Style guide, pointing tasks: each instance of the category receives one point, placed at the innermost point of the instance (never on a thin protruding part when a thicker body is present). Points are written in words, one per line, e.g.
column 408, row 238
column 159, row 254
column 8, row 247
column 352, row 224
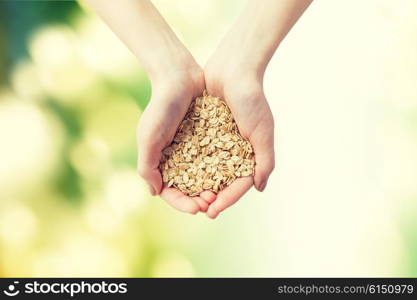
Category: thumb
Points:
column 154, row 129
column 148, row 163
column 263, row 145
column 149, row 155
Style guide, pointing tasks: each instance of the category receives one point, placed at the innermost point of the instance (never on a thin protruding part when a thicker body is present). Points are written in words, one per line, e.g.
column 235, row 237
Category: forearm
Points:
column 140, row 26
column 261, row 28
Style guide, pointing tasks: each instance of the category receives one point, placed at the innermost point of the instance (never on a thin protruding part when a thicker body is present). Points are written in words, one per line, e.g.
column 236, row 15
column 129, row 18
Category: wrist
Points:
column 224, row 67
column 185, row 80
column 238, row 55
column 160, row 63
column 253, row 43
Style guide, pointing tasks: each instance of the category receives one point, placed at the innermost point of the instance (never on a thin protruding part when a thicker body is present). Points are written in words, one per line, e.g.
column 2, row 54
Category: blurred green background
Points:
column 343, row 201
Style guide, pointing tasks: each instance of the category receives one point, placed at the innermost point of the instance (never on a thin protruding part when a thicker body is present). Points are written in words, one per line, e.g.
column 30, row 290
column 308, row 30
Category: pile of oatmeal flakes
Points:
column 208, row 152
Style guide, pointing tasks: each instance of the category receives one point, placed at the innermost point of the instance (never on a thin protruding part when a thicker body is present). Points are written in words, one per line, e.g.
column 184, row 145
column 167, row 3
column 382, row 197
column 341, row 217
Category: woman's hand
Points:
column 171, row 97
column 241, row 88
column 235, row 73
column 176, row 79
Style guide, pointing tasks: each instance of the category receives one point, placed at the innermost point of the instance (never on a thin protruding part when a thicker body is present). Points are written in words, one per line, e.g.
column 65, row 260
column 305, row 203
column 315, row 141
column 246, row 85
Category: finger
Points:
column 263, row 146
column 180, row 201
column 208, row 196
column 229, row 196
column 202, row 203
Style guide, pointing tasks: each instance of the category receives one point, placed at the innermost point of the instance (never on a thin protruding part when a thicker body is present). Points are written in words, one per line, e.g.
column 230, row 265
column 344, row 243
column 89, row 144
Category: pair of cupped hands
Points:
column 226, row 75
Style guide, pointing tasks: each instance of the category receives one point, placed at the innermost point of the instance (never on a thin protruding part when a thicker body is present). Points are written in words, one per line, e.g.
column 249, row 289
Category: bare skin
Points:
column 239, row 61
column 246, row 51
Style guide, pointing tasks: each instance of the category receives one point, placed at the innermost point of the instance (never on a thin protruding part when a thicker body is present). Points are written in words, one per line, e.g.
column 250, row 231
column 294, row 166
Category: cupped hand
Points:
column 241, row 87
column 172, row 94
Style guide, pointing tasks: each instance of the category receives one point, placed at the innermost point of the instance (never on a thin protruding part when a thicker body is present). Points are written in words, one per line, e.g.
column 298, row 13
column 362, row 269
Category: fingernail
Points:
column 262, row 186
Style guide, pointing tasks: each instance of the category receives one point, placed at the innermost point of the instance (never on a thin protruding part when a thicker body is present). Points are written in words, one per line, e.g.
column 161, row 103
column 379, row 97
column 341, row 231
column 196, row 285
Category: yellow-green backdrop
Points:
column 342, row 202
